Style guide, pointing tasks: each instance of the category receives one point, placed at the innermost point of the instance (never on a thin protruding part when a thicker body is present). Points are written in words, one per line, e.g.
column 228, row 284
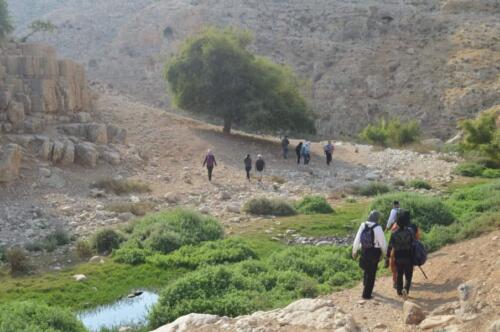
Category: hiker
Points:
column 284, row 146
column 370, row 239
column 400, row 247
column 298, row 151
column 259, row 166
column 306, row 152
column 210, row 163
column 392, row 216
column 328, row 148
column 248, row 166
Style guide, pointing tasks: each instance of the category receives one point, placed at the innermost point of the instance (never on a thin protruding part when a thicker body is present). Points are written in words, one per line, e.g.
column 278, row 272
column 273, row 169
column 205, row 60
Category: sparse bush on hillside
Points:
column 2, row 253
column 137, row 209
column 313, row 205
column 469, row 169
column 30, row 316
column 419, row 184
column 18, row 261
column 167, row 231
column 209, row 253
column 371, row 189
column 391, row 133
column 264, row 206
column 50, row 242
column 425, row 211
column 122, row 187
column 105, row 241
column 84, row 249
column 131, row 256
column 491, row 173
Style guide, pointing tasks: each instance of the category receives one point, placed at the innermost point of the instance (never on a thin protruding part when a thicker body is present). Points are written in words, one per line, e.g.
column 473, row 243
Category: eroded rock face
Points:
column 10, row 162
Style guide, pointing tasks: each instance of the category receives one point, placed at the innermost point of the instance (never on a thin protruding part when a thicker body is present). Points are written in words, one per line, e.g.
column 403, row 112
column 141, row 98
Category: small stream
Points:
column 127, row 311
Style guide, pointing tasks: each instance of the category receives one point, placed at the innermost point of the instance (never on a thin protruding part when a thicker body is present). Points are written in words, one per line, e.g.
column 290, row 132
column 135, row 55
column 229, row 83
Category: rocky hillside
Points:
column 450, row 300
column 433, row 60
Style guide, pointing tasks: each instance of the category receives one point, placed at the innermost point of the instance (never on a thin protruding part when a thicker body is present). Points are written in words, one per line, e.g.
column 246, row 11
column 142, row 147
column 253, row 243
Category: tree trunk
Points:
column 227, row 125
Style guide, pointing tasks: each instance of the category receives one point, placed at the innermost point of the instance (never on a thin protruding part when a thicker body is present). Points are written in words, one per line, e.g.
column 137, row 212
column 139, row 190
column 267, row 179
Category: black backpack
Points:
column 403, row 239
column 367, row 237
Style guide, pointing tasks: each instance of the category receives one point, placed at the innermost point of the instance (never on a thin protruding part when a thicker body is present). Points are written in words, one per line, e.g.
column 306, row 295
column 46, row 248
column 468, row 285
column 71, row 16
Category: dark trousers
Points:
column 298, row 158
column 210, row 170
column 328, row 158
column 285, row 152
column 248, row 169
column 404, row 268
column 369, row 263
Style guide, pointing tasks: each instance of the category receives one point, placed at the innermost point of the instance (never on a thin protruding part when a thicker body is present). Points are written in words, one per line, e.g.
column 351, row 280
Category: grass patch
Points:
column 314, row 205
column 371, row 189
column 122, row 186
column 50, row 242
column 138, row 209
column 419, row 184
column 265, row 207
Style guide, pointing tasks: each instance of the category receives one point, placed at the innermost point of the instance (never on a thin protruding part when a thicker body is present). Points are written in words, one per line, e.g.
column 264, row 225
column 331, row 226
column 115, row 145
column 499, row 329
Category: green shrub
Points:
column 469, row 169
column 84, row 249
column 314, row 205
column 265, row 206
column 491, row 173
column 167, row 231
column 50, row 242
column 399, row 183
column 122, row 187
column 209, row 253
column 470, row 202
column 2, row 253
column 482, row 135
column 34, row 246
column 31, row 316
column 419, row 184
column 104, row 241
column 392, row 132
column 372, row 189
column 18, row 261
column 425, row 211
column 132, row 256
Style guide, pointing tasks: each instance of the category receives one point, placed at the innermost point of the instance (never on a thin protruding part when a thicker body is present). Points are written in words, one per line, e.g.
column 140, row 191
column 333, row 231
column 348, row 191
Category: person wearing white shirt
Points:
column 393, row 215
column 371, row 241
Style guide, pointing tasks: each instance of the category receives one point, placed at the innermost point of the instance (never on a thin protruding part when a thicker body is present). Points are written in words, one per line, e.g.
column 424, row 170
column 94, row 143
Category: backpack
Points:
column 419, row 254
column 367, row 237
column 403, row 239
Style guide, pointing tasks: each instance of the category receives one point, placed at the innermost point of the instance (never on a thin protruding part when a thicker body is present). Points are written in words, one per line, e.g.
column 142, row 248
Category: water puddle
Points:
column 132, row 310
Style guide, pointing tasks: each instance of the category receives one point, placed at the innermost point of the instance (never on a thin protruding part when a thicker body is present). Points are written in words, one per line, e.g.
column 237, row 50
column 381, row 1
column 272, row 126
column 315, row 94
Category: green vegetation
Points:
column 106, row 240
column 50, row 242
column 167, row 231
column 257, row 285
column 5, row 20
column 84, row 249
column 391, row 133
column 122, row 187
column 425, row 211
column 31, row 316
column 18, row 261
column 371, row 189
column 482, row 136
column 137, row 209
column 419, row 184
column 39, row 26
column 265, row 207
column 216, row 73
column 313, row 205
column 471, row 169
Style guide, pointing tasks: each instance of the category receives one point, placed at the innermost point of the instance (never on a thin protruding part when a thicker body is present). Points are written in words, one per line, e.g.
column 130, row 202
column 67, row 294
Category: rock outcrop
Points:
column 46, row 110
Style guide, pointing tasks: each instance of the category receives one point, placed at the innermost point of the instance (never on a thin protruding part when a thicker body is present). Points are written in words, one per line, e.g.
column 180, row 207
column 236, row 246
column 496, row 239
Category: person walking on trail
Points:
column 306, row 152
column 260, row 164
column 284, row 147
column 298, row 151
column 248, row 166
column 392, row 216
column 210, row 163
column 400, row 247
column 371, row 241
column 328, row 148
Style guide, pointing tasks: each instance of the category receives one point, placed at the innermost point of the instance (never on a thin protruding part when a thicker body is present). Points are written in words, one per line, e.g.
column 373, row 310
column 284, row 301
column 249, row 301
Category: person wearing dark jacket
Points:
column 259, row 166
column 248, row 166
column 400, row 247
column 210, row 163
column 298, row 151
column 371, row 252
column 284, row 147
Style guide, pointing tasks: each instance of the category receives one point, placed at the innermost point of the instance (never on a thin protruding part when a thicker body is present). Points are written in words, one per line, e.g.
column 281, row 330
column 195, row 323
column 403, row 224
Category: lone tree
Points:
column 5, row 22
column 39, row 26
column 215, row 73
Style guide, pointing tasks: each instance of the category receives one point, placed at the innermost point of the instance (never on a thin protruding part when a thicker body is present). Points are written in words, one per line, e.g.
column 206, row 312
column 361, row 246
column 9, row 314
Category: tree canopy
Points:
column 5, row 21
column 215, row 73
column 39, row 26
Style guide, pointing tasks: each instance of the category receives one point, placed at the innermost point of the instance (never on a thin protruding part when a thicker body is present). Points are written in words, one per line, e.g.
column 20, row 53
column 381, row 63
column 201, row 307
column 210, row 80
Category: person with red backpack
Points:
column 400, row 249
column 370, row 239
column 210, row 163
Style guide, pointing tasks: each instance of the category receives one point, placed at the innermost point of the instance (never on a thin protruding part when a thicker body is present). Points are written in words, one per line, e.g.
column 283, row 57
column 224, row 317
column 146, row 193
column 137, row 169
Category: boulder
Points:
column 10, row 162
column 83, row 117
column 96, row 260
column 57, row 152
column 68, row 156
column 413, row 314
column 233, row 208
column 116, row 135
column 5, row 98
column 96, row 133
column 436, row 321
column 80, row 277
column 86, row 154
column 15, row 114
column 111, row 157
column 188, row 322
column 494, row 327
